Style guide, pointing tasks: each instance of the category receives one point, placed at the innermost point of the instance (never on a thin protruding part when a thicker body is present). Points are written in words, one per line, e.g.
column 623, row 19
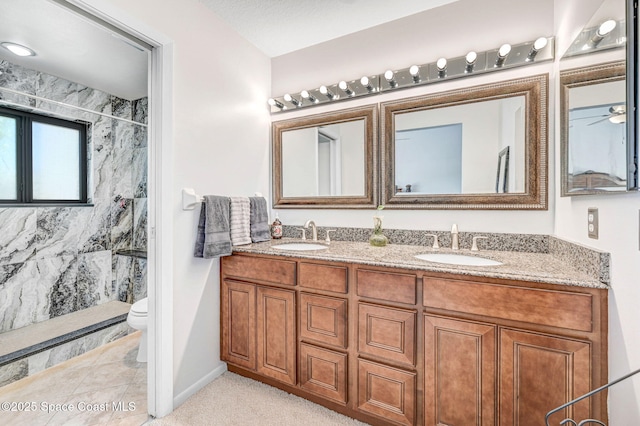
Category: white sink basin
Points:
column 457, row 259
column 300, row 246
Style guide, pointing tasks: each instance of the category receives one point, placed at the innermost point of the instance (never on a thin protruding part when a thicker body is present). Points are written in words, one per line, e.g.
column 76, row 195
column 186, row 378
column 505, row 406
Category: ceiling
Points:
column 75, row 48
column 72, row 47
column 277, row 27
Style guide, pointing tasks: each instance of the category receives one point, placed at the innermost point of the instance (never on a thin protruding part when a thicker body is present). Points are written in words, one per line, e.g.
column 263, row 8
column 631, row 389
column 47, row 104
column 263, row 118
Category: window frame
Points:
column 24, row 158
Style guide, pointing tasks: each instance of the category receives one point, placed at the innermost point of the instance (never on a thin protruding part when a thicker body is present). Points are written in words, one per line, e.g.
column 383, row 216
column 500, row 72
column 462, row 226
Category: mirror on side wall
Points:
column 326, row 160
column 483, row 147
column 598, row 144
column 593, row 138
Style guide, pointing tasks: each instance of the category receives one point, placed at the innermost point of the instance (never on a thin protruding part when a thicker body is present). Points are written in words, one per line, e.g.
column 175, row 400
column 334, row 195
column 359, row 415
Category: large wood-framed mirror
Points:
column 326, row 160
column 593, row 132
column 483, row 147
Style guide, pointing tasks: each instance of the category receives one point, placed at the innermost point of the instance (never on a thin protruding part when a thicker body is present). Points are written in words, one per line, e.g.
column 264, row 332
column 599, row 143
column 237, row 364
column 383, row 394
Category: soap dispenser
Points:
column 276, row 229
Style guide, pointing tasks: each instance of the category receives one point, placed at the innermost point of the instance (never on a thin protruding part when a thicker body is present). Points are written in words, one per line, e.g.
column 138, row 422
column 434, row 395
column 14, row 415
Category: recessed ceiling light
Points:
column 18, row 49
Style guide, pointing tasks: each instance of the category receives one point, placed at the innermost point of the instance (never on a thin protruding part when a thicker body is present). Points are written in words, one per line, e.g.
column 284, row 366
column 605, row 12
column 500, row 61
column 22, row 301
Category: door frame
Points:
column 160, row 193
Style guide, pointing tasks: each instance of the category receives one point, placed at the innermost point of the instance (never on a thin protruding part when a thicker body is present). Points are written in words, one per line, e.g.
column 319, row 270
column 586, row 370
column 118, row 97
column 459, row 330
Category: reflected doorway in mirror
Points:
column 502, row 176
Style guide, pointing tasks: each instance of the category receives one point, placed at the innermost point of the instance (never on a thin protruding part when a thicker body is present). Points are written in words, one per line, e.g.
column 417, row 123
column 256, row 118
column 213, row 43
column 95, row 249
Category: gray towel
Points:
column 213, row 238
column 240, row 220
column 259, row 220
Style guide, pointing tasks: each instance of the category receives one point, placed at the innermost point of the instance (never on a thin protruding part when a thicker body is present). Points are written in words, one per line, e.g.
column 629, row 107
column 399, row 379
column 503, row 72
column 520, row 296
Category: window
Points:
column 43, row 160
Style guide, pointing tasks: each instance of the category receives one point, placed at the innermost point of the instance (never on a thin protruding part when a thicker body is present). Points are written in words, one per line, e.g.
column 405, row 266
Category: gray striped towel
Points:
column 239, row 221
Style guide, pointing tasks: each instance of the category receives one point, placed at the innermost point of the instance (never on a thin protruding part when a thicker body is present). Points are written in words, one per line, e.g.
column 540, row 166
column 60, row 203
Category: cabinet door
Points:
column 238, row 316
column 460, row 372
column 276, row 351
column 323, row 319
column 323, row 372
column 387, row 333
column 387, row 392
column 539, row 373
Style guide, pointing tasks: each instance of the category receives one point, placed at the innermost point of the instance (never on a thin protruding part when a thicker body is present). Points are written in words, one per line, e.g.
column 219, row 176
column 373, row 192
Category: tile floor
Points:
column 105, row 386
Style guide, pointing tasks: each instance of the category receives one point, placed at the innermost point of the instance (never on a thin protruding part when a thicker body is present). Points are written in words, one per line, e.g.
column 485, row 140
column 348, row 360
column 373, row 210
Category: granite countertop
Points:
column 526, row 266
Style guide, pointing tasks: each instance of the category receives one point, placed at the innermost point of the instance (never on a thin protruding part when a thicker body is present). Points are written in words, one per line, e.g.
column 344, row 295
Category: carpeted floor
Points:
column 233, row 400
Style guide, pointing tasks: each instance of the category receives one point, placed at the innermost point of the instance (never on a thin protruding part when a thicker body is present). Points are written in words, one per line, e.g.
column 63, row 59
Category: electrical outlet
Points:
column 592, row 222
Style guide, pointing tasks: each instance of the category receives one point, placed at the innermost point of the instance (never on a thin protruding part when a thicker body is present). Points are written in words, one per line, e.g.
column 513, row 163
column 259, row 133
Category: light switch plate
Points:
column 592, row 222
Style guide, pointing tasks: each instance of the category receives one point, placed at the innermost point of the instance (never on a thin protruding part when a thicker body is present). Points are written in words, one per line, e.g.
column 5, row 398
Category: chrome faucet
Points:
column 454, row 238
column 314, row 230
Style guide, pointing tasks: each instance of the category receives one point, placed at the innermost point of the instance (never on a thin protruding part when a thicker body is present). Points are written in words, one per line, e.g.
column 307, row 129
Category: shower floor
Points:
column 104, row 386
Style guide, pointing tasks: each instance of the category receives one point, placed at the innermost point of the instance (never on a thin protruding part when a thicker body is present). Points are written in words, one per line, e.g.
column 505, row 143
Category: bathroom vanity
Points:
column 381, row 336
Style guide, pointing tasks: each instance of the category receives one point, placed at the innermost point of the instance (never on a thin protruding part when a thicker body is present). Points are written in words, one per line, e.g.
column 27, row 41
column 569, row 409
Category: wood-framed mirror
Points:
column 326, row 160
column 593, row 134
column 441, row 151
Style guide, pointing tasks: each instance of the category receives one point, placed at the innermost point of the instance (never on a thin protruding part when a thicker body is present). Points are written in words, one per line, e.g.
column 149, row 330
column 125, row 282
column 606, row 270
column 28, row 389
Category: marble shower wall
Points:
column 56, row 260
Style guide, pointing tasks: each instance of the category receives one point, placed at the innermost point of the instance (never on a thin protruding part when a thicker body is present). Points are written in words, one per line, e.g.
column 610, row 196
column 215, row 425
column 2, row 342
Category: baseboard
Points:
column 191, row 390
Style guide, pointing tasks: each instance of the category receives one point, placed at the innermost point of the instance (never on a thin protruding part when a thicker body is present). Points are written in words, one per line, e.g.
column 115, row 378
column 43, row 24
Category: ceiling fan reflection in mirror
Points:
column 617, row 115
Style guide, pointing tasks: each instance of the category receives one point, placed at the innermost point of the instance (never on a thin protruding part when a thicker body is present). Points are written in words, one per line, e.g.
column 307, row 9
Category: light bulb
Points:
column 414, row 70
column 504, row 50
column 345, row 88
column 367, row 84
column 471, row 58
column 441, row 64
column 275, row 103
column 294, row 101
column 606, row 27
column 306, row 95
column 328, row 93
column 540, row 43
column 390, row 77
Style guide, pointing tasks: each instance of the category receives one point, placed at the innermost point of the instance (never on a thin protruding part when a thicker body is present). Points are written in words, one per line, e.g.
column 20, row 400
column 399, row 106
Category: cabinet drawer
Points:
column 388, row 333
column 323, row 319
column 261, row 269
column 386, row 392
column 323, row 372
column 389, row 286
column 323, row 277
column 545, row 307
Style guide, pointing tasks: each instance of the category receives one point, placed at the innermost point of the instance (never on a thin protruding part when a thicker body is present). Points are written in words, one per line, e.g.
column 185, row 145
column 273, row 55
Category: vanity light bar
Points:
column 609, row 34
column 472, row 63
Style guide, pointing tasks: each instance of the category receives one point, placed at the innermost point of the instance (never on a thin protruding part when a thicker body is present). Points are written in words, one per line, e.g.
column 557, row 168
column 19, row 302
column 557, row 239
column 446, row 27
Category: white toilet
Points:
column 137, row 319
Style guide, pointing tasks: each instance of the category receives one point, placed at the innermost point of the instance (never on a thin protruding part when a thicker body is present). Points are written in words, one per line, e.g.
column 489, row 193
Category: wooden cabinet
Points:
column 387, row 392
column 276, row 334
column 323, row 320
column 323, row 372
column 258, row 326
column 540, row 372
column 238, row 326
column 387, row 333
column 393, row 346
column 460, row 372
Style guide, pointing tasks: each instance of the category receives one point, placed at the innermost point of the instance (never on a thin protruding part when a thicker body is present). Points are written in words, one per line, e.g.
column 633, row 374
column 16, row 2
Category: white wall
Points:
column 221, row 146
